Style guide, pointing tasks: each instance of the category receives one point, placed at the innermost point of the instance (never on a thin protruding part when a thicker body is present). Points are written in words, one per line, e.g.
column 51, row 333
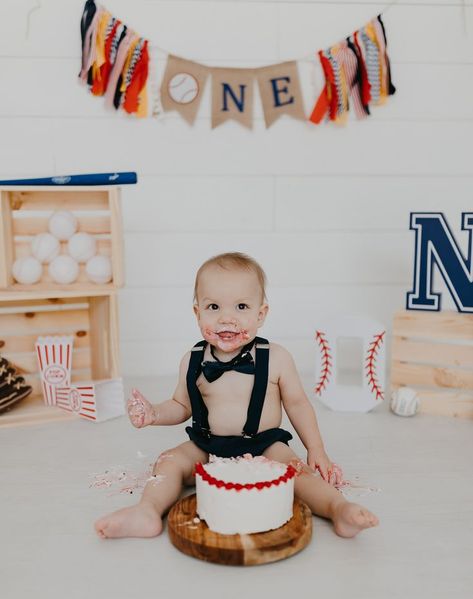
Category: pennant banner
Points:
column 182, row 87
column 280, row 92
column 115, row 64
column 232, row 96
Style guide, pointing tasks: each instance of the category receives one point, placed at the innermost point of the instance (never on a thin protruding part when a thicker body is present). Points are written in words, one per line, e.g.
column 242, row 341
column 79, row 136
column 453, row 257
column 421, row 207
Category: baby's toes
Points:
column 366, row 518
column 100, row 528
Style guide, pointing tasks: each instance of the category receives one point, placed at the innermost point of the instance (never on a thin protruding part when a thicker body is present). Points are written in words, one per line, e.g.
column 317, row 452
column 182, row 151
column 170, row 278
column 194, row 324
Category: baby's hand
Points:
column 140, row 411
column 319, row 460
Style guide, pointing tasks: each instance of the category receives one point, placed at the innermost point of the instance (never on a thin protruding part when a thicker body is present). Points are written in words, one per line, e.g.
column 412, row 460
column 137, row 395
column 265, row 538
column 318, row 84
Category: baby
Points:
column 234, row 384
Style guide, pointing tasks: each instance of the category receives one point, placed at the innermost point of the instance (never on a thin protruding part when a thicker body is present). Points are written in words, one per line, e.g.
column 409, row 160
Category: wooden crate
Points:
column 93, row 322
column 24, row 212
column 433, row 353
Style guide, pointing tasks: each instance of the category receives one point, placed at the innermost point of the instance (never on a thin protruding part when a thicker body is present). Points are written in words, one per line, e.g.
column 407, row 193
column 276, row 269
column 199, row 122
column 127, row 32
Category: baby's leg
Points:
column 323, row 499
column 173, row 468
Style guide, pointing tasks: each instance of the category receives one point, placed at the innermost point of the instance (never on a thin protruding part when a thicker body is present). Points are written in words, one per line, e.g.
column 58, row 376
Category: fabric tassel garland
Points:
column 115, row 61
column 357, row 69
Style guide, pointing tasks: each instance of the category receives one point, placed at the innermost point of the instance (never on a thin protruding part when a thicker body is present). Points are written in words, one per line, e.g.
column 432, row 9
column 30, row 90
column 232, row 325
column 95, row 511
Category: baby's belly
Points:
column 227, row 416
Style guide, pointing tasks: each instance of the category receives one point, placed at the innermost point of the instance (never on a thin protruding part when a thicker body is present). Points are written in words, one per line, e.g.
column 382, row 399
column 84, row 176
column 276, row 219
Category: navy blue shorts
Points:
column 232, row 446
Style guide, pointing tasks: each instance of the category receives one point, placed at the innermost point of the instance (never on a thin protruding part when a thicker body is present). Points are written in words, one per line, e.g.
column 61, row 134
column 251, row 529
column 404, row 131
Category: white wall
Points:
column 325, row 210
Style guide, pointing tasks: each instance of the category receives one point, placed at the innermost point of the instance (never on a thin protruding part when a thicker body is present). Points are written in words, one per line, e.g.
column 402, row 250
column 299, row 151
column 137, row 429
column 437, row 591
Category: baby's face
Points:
column 229, row 308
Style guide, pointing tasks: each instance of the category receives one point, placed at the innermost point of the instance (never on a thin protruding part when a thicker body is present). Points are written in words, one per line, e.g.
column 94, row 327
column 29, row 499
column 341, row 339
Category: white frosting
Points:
column 245, row 511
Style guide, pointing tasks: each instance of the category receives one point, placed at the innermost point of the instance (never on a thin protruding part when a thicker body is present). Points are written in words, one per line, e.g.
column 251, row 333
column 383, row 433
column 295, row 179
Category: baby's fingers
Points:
column 332, row 478
column 136, row 409
column 323, row 471
column 136, row 417
column 335, row 475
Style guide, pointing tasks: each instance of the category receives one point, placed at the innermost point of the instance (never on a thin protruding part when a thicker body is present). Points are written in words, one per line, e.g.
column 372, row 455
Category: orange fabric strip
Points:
column 321, row 107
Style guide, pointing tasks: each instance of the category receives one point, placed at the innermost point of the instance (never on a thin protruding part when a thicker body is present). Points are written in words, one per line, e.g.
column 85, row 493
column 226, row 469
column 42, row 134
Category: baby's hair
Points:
column 234, row 260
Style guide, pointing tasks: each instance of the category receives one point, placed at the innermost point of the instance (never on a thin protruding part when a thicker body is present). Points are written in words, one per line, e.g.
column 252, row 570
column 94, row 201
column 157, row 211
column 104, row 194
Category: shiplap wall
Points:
column 325, row 210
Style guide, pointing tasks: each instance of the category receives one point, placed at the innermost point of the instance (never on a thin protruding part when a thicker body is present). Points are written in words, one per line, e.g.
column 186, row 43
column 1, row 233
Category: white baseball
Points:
column 99, row 269
column 45, row 247
column 64, row 269
column 27, row 270
column 82, row 246
column 183, row 88
column 404, row 401
column 63, row 225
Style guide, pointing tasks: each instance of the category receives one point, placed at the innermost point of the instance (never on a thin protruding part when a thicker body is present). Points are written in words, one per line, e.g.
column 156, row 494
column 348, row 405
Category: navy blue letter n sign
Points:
column 436, row 247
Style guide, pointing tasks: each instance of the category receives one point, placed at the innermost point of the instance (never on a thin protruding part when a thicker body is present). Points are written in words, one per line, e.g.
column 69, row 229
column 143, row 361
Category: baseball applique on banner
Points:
column 232, row 96
column 280, row 92
column 363, row 388
column 182, row 87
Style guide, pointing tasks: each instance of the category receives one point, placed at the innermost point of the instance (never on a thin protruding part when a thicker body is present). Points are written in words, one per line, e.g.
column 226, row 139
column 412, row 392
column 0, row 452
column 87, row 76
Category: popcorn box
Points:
column 55, row 361
column 94, row 400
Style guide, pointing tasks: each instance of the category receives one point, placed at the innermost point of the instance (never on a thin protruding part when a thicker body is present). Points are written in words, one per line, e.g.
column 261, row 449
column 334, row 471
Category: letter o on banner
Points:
column 350, row 363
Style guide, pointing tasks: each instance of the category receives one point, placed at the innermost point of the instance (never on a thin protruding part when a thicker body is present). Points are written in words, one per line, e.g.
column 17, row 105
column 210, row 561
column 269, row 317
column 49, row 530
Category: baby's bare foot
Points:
column 350, row 518
column 140, row 520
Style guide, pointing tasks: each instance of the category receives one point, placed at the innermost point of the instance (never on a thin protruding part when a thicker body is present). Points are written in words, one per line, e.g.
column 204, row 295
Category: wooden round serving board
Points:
column 195, row 538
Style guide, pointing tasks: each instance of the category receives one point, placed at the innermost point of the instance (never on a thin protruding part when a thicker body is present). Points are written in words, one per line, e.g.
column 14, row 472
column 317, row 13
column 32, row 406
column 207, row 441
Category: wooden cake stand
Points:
column 195, row 539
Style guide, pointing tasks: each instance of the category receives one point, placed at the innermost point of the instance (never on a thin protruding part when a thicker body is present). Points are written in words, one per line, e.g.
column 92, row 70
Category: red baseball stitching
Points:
column 326, row 362
column 374, row 346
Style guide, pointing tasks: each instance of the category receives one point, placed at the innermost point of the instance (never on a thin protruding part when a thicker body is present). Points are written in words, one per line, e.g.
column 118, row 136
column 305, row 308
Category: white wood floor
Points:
column 423, row 547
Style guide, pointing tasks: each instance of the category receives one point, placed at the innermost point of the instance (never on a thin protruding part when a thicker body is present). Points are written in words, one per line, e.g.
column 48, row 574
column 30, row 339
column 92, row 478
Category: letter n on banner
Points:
column 280, row 92
column 232, row 96
column 435, row 245
column 182, row 87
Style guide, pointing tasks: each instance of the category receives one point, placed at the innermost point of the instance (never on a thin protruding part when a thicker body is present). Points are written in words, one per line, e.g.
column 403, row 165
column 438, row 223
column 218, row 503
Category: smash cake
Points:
column 244, row 495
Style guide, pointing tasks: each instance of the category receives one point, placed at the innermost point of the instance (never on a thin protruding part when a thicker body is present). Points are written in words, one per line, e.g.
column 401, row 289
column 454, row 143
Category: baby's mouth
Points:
column 227, row 335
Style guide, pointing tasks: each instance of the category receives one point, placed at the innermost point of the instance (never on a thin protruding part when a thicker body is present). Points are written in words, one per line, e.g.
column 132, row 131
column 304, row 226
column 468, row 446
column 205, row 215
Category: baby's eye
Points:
column 243, row 306
column 212, row 307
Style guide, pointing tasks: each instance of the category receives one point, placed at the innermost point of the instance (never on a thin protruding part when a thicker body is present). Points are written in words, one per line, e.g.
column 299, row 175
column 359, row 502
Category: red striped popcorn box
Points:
column 94, row 400
column 55, row 364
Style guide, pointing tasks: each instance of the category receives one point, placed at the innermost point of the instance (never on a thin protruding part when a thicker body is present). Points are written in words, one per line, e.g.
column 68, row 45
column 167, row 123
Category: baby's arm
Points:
column 300, row 411
column 172, row 411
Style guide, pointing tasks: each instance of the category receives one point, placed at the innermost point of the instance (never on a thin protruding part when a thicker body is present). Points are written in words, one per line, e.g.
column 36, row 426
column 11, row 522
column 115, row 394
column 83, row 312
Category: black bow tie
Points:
column 241, row 363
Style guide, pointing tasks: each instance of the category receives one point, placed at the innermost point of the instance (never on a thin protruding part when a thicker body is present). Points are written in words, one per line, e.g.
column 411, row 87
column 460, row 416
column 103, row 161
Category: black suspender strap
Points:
column 258, row 394
column 200, row 415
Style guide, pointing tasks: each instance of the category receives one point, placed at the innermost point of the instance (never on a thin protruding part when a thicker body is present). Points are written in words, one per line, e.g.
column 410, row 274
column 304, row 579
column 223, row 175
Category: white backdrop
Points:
column 324, row 209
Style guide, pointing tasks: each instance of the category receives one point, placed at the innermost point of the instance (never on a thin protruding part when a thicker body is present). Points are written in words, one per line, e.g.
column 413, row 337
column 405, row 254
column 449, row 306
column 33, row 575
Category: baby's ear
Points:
column 195, row 307
column 263, row 311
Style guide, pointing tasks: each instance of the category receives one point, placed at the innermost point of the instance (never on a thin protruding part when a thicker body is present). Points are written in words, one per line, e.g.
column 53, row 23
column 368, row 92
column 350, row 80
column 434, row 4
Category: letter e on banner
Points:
column 280, row 92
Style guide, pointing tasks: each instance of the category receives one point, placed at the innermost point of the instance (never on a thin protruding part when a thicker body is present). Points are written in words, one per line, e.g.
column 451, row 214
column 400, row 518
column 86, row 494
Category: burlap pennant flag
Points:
column 182, row 87
column 280, row 91
column 232, row 96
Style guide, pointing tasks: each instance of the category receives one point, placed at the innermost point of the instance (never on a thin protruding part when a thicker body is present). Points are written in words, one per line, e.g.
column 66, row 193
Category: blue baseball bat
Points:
column 128, row 178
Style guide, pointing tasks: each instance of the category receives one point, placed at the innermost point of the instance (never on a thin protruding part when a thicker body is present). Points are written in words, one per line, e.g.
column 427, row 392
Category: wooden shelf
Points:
column 25, row 212
column 83, row 310
column 32, row 410
column 433, row 352
column 20, row 293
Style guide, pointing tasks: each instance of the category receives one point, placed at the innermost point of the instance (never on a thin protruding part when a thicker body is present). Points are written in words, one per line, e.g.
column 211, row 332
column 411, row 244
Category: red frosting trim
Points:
column 202, row 472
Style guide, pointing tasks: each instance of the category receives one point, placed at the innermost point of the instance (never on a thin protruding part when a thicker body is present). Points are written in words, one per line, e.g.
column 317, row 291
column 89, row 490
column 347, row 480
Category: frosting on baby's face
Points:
column 230, row 307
